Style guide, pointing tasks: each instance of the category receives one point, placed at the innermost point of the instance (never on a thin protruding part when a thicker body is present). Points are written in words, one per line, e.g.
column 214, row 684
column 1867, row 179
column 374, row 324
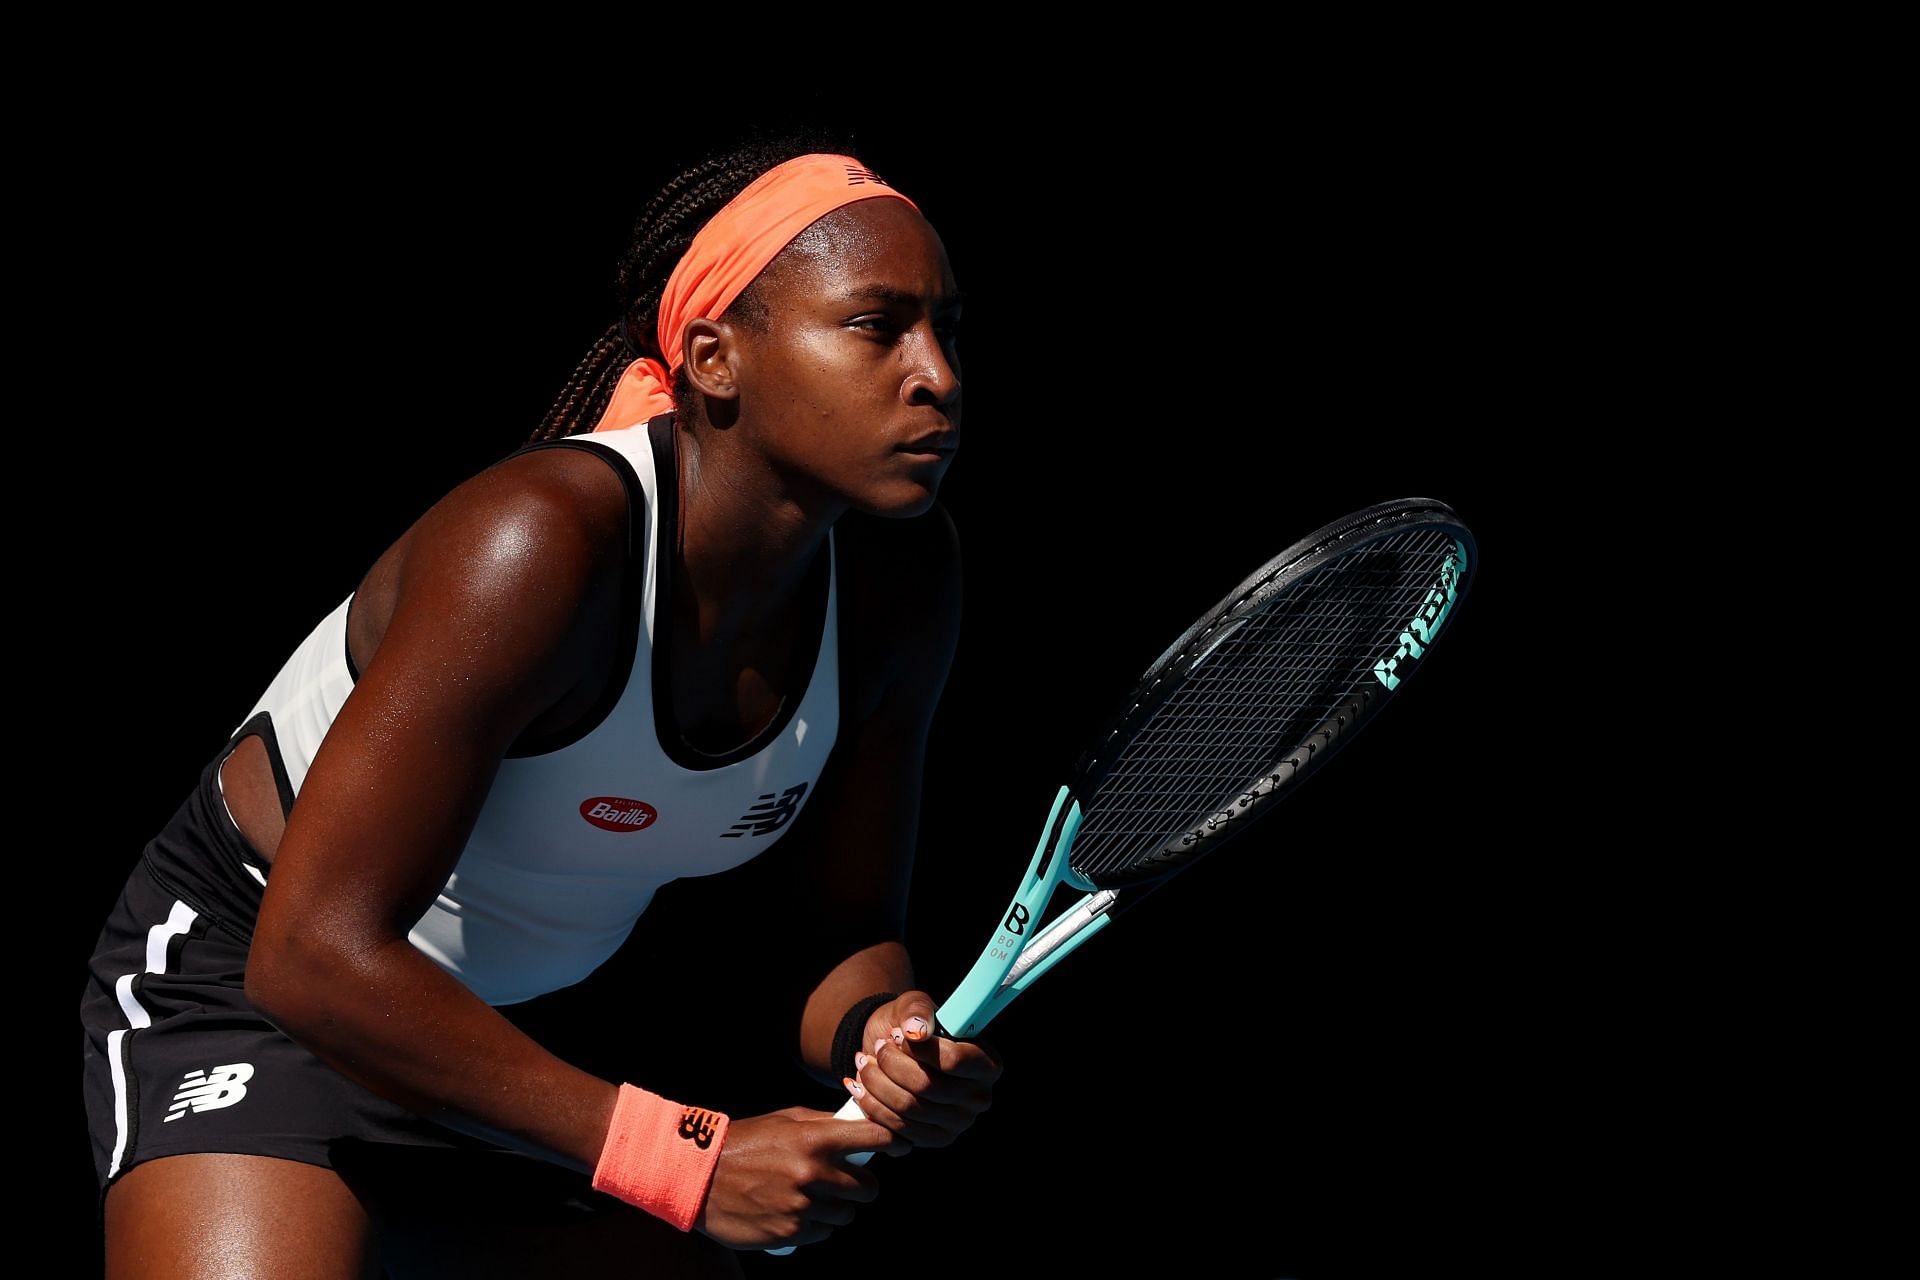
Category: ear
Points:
column 712, row 351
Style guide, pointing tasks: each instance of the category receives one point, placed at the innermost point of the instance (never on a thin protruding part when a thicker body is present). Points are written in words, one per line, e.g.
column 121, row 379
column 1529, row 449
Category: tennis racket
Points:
column 1250, row 701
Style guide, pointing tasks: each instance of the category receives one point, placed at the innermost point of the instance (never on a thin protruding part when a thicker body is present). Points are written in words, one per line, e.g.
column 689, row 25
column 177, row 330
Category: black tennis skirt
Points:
column 177, row 1060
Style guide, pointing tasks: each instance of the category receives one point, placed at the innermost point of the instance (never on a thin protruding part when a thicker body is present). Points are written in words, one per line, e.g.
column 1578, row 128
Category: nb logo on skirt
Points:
column 207, row 1090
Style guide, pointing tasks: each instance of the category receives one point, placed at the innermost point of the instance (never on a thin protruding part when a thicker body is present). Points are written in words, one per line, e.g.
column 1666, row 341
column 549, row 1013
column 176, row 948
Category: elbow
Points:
column 287, row 983
column 272, row 986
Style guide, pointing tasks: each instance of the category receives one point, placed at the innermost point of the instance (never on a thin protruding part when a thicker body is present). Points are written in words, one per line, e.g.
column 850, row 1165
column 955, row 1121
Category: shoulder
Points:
column 557, row 512
column 518, row 565
column 903, row 586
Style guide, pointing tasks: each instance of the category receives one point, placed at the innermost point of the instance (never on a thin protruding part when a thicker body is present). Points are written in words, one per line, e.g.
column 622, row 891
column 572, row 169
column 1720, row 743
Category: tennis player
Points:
column 638, row 648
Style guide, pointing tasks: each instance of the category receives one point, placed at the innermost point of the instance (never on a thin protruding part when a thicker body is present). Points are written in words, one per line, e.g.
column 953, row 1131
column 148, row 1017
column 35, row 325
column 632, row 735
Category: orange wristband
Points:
column 660, row 1155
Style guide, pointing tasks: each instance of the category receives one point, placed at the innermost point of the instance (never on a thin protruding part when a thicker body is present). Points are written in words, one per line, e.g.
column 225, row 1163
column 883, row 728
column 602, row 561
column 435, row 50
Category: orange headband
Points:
column 727, row 254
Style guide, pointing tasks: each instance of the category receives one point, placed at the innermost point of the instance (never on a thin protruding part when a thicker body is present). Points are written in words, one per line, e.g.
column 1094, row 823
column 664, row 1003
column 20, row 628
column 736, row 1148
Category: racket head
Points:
column 1265, row 687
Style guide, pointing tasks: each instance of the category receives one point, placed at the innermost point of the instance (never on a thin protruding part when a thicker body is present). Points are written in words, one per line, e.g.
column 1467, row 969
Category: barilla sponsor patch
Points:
column 617, row 813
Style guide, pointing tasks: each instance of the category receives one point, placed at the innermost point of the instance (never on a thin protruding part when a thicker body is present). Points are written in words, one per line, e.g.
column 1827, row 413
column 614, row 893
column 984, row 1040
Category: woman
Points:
column 632, row 651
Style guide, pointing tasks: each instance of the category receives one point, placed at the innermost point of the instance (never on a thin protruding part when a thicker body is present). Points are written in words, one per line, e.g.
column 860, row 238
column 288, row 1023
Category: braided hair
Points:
column 660, row 238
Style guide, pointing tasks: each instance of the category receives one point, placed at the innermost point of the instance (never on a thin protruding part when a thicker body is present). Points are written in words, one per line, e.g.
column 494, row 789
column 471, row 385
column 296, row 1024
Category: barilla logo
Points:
column 617, row 813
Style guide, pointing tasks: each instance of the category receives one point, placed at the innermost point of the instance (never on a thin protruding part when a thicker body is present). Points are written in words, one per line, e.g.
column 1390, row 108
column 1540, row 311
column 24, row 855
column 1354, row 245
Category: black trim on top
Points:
column 346, row 645
column 666, row 468
column 261, row 722
column 633, row 573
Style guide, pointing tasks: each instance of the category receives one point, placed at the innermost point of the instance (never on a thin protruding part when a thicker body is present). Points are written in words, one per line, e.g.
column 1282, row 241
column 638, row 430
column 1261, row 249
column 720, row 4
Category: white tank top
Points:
column 575, row 836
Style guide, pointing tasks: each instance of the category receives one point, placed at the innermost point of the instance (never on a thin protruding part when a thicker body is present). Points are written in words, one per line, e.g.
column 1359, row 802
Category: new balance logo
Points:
column 208, row 1090
column 859, row 176
column 697, row 1126
column 770, row 814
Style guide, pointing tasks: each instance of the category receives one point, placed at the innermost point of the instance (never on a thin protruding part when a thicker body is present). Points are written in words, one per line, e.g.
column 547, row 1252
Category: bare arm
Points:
column 508, row 584
column 851, row 877
column 504, row 581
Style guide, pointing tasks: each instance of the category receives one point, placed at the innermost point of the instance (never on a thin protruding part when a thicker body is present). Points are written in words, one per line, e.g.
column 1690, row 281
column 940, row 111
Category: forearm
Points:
column 398, row 1024
column 883, row 966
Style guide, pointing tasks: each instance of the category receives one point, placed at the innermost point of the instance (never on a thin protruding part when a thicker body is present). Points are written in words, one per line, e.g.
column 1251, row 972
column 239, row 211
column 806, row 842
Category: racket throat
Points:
column 1072, row 927
column 988, row 986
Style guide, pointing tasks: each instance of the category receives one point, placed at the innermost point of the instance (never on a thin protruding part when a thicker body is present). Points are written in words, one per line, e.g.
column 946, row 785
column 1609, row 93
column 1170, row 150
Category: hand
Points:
column 925, row 1089
column 782, row 1179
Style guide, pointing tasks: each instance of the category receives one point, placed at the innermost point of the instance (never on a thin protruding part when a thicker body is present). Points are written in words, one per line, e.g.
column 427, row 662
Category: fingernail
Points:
column 853, row 1086
column 899, row 1036
column 860, row 1061
column 917, row 1027
column 878, row 1045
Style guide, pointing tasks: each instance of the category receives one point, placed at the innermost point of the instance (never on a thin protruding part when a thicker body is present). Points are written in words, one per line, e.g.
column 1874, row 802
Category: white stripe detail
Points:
column 178, row 921
column 119, row 1100
column 123, row 988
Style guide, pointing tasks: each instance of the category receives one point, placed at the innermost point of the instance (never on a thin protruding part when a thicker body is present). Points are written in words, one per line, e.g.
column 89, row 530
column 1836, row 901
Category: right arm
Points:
column 503, row 593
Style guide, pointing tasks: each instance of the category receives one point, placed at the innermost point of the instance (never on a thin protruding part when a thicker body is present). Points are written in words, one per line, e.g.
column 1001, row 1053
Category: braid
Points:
column 664, row 229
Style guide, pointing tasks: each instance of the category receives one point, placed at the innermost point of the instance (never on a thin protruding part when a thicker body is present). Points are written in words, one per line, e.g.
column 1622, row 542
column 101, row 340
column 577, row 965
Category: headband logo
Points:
column 856, row 175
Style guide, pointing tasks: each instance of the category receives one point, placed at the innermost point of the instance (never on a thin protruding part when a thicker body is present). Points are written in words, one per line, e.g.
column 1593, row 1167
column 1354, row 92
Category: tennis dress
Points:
column 576, row 834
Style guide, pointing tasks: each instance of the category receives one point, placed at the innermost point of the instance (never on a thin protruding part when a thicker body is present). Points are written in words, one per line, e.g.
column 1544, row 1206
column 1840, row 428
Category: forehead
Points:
column 881, row 241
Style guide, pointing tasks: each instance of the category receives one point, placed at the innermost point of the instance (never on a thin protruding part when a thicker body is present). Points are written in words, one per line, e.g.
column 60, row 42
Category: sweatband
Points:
column 726, row 254
column 852, row 1035
column 659, row 1155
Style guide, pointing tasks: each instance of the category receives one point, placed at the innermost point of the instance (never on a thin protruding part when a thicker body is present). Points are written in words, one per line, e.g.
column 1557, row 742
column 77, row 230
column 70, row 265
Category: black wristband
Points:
column 853, row 1029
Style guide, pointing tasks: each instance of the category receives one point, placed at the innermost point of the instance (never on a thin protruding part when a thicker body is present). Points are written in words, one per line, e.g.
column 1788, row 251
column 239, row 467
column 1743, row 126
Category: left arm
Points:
column 855, row 863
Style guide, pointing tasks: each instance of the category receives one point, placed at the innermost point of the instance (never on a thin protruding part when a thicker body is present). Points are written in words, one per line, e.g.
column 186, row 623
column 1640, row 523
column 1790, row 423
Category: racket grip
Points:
column 851, row 1111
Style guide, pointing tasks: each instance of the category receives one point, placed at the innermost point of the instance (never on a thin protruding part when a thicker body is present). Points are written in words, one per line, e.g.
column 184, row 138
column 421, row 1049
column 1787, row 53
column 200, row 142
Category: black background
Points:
column 1312, row 1055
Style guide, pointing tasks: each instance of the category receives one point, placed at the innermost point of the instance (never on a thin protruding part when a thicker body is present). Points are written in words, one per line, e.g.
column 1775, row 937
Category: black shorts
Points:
column 177, row 1060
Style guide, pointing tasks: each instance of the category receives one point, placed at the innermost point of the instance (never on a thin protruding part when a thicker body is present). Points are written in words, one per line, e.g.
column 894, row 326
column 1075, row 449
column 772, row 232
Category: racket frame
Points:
column 1014, row 958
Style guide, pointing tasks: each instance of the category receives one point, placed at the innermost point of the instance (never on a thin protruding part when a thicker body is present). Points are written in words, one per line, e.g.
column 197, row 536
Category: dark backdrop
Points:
column 1307, row 1057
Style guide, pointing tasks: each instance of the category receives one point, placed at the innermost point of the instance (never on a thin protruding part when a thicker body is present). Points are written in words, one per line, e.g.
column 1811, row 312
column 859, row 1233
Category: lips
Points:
column 942, row 442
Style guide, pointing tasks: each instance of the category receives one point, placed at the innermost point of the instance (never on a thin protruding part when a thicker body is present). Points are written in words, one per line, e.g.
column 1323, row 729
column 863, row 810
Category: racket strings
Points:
column 1275, row 677
column 1263, row 700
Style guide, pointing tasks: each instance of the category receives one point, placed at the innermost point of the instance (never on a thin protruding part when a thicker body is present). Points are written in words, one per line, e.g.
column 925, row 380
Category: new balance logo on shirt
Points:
column 207, row 1090
column 770, row 814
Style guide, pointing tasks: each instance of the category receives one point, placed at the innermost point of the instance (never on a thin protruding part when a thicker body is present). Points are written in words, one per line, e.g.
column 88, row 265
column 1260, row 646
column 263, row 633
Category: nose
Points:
column 935, row 370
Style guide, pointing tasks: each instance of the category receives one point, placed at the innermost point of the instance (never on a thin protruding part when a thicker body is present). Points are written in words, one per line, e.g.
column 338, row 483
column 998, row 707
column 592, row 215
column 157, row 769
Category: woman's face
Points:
column 854, row 391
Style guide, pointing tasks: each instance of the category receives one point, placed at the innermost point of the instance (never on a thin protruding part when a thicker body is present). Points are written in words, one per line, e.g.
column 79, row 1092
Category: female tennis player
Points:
column 640, row 647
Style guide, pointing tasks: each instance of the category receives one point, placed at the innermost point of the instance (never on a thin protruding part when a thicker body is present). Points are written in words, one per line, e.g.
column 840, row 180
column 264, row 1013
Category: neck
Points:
column 748, row 538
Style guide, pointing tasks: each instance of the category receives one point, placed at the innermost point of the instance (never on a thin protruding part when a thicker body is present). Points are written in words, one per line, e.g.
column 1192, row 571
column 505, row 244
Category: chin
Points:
column 903, row 503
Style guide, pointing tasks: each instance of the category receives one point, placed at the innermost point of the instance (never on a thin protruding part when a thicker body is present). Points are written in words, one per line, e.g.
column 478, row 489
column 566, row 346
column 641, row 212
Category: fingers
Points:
column 845, row 1137
column 923, row 1086
column 852, row 1183
column 942, row 1070
column 892, row 1069
column 907, row 1019
column 910, row 1024
column 836, row 1189
column 969, row 1060
column 913, row 1013
column 926, row 1110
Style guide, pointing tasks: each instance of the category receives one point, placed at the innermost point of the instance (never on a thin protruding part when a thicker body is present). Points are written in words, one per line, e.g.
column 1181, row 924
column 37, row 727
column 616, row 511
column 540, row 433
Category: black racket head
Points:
column 1265, row 687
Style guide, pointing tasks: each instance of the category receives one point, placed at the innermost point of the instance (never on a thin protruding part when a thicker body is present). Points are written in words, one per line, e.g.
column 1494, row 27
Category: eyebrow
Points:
column 902, row 297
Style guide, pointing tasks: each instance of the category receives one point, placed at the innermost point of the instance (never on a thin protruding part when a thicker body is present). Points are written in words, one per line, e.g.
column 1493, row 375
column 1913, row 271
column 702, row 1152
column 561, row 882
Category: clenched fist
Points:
column 924, row 1088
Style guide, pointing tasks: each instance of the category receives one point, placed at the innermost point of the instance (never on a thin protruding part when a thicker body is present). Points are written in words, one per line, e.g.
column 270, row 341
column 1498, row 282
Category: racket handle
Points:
column 851, row 1111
